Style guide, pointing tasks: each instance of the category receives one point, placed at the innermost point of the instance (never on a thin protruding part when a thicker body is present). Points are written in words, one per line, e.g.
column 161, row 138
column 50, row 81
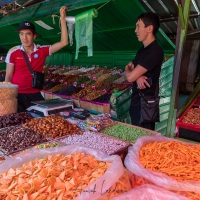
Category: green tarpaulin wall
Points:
column 113, row 29
column 114, row 39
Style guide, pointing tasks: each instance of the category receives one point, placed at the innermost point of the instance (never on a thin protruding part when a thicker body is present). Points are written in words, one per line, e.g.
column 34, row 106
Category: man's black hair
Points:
column 150, row 18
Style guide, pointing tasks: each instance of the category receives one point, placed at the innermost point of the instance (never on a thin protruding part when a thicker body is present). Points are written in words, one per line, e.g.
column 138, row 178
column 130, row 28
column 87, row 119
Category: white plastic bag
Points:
column 133, row 164
column 101, row 185
column 149, row 192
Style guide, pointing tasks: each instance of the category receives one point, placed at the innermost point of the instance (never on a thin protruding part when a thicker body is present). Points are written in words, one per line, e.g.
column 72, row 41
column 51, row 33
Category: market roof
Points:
column 113, row 28
column 168, row 12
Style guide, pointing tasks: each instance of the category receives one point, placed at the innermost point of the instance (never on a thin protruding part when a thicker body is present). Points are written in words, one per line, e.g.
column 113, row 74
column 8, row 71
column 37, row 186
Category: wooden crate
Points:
column 130, row 136
column 50, row 95
column 95, row 106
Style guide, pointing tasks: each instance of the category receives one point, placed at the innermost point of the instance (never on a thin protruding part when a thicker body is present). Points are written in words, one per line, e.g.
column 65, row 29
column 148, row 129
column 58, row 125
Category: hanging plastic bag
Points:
column 84, row 30
column 71, row 26
column 113, row 98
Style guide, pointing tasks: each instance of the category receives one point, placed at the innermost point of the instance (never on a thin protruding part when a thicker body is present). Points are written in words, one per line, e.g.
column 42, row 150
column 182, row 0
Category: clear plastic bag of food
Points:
column 97, row 189
column 8, row 106
column 133, row 164
column 149, row 192
column 8, row 90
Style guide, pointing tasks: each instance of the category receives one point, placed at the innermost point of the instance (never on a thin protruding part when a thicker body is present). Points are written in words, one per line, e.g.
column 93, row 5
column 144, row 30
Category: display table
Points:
column 188, row 126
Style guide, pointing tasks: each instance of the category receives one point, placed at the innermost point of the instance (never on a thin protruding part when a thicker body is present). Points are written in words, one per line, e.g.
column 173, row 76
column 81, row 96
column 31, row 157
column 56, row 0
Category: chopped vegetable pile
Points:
column 176, row 159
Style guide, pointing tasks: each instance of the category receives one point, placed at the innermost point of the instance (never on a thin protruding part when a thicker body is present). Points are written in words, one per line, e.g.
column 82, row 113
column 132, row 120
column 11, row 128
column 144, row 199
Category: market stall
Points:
column 79, row 149
column 94, row 140
column 52, row 155
column 113, row 39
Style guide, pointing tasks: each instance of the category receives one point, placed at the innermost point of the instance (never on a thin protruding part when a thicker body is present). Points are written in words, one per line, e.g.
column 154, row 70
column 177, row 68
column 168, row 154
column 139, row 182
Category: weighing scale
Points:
column 49, row 107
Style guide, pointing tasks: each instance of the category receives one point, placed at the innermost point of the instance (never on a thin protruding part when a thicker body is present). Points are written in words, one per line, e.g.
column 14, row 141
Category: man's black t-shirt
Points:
column 151, row 58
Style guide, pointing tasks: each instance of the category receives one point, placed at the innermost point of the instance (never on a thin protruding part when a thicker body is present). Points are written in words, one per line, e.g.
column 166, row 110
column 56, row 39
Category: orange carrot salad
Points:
column 176, row 159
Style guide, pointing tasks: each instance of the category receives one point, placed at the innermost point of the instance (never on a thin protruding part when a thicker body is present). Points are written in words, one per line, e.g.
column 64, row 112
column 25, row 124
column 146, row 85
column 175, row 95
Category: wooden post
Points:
column 180, row 41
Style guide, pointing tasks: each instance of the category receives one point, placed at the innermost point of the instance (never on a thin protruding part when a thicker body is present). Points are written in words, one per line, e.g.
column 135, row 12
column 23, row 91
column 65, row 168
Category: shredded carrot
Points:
column 176, row 159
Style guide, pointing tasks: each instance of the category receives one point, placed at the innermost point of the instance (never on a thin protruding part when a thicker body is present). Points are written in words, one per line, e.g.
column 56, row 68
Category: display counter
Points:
column 188, row 125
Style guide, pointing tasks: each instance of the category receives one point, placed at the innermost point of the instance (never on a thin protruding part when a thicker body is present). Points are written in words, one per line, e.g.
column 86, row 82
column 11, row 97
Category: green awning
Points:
column 113, row 29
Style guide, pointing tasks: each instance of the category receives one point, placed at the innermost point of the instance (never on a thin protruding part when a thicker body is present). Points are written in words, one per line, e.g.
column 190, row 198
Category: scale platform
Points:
column 50, row 107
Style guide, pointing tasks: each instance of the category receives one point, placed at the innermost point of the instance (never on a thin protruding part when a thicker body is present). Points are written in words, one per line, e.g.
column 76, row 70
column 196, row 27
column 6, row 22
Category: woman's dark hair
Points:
column 150, row 18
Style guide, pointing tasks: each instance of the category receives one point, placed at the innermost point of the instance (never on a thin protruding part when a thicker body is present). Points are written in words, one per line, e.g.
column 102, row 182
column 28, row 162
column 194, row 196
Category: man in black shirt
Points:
column 144, row 70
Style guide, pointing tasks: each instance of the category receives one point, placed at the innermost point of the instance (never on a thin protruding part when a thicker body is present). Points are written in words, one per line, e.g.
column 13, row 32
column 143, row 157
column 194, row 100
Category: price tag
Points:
column 82, row 85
